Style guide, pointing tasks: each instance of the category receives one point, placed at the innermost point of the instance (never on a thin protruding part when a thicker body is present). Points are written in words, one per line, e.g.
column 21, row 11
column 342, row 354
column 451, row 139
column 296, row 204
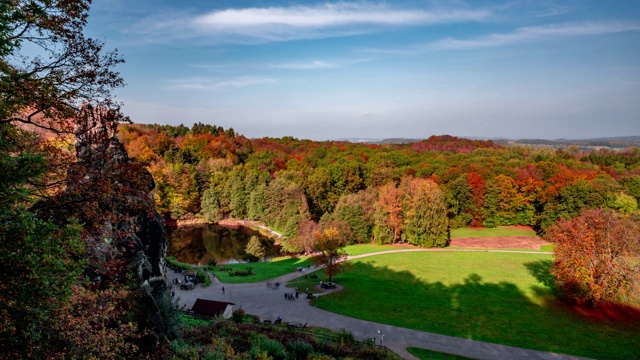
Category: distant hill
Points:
column 381, row 141
column 610, row 142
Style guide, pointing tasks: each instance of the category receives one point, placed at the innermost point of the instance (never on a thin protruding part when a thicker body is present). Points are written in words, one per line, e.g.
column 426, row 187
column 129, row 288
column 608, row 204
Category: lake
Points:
column 223, row 244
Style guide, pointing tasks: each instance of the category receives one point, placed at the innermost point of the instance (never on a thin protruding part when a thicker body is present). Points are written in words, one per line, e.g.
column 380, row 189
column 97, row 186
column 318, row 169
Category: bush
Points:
column 169, row 316
column 237, row 315
column 177, row 265
column 346, row 337
column 203, row 277
column 261, row 344
column 298, row 349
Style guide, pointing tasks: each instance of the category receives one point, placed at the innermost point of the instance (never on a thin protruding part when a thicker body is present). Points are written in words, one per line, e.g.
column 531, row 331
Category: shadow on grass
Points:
column 541, row 270
column 488, row 311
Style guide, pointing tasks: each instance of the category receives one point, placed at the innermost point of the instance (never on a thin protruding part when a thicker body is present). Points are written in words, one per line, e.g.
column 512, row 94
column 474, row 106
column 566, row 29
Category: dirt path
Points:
column 251, row 224
column 269, row 302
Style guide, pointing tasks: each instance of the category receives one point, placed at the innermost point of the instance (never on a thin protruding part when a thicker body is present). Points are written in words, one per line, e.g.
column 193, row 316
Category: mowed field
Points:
column 504, row 298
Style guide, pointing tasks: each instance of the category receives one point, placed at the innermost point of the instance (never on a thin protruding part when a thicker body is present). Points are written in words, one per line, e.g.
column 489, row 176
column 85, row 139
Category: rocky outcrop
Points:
column 139, row 228
column 113, row 198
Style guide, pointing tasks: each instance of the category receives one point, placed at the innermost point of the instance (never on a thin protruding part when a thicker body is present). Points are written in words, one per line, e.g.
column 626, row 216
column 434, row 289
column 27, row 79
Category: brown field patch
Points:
column 500, row 242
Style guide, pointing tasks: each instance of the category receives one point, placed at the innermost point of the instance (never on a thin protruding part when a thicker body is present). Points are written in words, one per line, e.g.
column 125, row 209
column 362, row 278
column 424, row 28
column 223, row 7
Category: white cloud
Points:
column 204, row 83
column 329, row 15
column 536, row 34
column 295, row 22
column 312, row 65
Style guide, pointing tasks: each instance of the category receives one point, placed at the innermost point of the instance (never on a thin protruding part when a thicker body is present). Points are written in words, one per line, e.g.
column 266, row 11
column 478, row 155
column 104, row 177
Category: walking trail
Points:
column 268, row 302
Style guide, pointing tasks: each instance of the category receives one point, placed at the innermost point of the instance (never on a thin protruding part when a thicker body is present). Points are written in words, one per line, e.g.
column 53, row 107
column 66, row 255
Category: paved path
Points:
column 268, row 303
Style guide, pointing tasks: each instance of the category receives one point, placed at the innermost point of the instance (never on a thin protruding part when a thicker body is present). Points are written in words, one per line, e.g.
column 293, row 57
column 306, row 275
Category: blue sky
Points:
column 371, row 69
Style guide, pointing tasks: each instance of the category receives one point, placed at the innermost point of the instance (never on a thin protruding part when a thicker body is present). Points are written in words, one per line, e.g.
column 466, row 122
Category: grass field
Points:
column 493, row 232
column 424, row 354
column 263, row 270
column 361, row 249
column 497, row 297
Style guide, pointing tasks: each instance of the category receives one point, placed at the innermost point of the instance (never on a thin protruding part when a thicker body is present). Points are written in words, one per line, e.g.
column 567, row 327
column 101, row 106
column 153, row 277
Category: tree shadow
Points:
column 473, row 308
column 541, row 270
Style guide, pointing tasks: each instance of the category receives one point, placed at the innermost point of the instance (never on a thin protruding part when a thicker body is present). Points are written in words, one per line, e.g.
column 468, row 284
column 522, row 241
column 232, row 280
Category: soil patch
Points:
column 500, row 242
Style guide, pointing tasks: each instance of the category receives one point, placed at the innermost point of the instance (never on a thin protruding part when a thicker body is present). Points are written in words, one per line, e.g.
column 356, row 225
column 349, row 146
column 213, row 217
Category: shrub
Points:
column 262, row 344
column 169, row 316
column 346, row 337
column 177, row 265
column 298, row 349
column 203, row 277
column 237, row 315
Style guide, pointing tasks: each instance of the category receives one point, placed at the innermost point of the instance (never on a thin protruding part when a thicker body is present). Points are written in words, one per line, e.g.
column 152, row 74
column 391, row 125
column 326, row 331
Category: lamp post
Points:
column 381, row 336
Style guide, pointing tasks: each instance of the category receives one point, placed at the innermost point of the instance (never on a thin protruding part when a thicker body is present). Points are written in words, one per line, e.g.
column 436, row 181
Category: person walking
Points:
column 223, row 290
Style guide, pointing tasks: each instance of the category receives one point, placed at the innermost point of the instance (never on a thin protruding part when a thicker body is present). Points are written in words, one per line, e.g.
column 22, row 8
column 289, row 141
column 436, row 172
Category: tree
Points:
column 67, row 71
column 330, row 243
column 305, row 239
column 425, row 222
column 55, row 84
column 596, row 256
column 389, row 214
column 255, row 248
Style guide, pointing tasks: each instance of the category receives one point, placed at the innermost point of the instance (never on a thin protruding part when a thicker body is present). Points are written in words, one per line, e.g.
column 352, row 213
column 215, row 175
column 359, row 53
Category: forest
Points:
column 376, row 193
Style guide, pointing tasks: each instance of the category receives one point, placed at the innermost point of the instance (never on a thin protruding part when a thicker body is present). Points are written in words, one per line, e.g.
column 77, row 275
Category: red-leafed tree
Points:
column 596, row 256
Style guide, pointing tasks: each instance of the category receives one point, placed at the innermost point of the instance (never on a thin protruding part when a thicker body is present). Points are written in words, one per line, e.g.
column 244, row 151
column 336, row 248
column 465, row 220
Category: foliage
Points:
column 330, row 245
column 227, row 340
column 426, row 223
column 255, row 248
column 286, row 182
column 237, row 315
column 42, row 265
column 596, row 256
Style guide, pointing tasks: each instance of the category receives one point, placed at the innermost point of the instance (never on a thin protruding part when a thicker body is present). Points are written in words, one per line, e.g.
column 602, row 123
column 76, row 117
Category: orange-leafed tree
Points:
column 388, row 214
column 596, row 256
column 330, row 244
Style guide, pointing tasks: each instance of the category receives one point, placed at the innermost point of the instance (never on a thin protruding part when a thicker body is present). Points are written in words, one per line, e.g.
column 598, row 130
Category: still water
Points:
column 223, row 244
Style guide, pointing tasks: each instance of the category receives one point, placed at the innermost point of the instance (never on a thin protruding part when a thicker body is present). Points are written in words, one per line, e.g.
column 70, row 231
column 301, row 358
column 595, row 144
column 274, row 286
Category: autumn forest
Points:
column 376, row 193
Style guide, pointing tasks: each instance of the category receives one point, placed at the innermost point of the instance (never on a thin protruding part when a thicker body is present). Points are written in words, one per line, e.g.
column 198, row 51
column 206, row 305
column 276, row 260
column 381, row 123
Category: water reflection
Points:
column 223, row 244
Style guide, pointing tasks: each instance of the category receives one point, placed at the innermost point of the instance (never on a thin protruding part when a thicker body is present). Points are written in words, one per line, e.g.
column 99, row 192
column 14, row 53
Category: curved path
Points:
column 269, row 303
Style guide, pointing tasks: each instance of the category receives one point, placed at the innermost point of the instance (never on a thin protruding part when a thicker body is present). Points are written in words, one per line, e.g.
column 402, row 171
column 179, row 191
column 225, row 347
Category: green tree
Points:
column 255, row 248
column 425, row 222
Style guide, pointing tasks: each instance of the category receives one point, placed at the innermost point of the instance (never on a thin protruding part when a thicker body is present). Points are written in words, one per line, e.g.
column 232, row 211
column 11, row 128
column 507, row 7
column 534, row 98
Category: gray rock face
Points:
column 134, row 227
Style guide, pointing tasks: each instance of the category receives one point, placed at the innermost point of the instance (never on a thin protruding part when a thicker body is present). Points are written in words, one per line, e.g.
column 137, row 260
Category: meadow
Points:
column 503, row 298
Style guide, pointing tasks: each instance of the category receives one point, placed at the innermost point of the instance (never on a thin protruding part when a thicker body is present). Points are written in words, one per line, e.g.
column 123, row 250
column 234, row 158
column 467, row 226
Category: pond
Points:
column 222, row 244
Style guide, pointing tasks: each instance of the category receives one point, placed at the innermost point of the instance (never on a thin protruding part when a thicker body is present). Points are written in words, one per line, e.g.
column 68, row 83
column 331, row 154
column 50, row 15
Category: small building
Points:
column 211, row 308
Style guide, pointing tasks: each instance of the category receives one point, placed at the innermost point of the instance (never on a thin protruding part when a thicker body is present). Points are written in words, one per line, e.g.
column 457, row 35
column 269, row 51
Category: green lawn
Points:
column 424, row 354
column 496, row 297
column 491, row 232
column 263, row 270
column 361, row 249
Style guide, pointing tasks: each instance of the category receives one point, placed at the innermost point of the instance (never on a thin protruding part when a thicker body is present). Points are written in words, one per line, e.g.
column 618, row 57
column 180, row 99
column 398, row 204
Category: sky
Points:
column 379, row 69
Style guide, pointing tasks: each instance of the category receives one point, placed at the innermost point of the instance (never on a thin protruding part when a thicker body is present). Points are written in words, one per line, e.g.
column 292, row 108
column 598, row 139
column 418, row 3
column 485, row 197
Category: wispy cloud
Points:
column 311, row 65
column 204, row 83
column 298, row 22
column 537, row 34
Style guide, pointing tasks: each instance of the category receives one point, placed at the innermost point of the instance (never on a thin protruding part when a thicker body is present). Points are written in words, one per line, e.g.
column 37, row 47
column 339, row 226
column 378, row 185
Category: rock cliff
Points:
column 113, row 197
